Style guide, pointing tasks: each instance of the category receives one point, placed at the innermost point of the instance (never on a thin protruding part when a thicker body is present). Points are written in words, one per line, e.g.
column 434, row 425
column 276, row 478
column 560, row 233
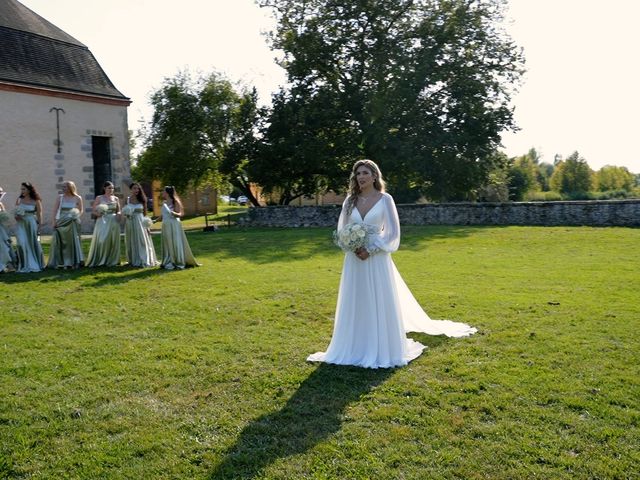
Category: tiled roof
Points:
column 16, row 16
column 36, row 53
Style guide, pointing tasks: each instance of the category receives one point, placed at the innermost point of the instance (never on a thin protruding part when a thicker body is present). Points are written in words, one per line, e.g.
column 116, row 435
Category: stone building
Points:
column 61, row 118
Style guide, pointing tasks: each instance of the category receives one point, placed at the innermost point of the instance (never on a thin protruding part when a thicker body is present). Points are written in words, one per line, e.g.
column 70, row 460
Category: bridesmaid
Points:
column 28, row 214
column 7, row 255
column 176, row 252
column 137, row 241
column 66, row 249
column 105, row 242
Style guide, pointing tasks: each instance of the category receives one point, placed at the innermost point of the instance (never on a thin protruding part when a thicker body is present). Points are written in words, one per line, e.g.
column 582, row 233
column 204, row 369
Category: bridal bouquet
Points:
column 18, row 211
column 101, row 209
column 128, row 210
column 5, row 217
column 147, row 222
column 351, row 237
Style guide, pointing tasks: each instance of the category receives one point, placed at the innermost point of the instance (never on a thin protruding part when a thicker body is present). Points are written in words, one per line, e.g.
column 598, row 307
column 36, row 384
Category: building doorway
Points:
column 101, row 152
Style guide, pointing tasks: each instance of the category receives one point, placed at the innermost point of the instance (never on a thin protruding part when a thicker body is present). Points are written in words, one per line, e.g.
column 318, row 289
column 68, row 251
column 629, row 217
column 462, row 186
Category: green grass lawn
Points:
column 201, row 374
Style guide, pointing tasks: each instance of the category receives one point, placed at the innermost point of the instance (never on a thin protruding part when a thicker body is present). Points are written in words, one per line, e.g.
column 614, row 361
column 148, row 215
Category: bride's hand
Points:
column 362, row 253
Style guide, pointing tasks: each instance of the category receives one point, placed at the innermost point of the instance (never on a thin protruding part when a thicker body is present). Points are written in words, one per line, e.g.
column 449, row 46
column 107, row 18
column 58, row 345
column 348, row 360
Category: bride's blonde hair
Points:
column 354, row 187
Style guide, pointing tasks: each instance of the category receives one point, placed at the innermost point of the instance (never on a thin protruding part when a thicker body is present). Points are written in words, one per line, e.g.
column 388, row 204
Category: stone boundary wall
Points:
column 605, row 213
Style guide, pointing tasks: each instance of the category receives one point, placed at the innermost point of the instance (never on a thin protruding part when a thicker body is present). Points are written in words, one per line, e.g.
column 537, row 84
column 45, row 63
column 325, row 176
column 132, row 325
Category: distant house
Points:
column 194, row 201
column 61, row 118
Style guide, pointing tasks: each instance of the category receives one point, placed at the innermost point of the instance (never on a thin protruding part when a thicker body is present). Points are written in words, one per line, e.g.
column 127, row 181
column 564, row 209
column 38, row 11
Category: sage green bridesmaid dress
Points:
column 137, row 240
column 176, row 252
column 66, row 249
column 7, row 254
column 29, row 250
column 105, row 242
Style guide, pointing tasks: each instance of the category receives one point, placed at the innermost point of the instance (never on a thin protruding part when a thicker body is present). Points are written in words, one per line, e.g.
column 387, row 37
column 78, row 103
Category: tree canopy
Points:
column 420, row 86
column 175, row 152
column 198, row 132
column 423, row 87
column 611, row 177
column 572, row 176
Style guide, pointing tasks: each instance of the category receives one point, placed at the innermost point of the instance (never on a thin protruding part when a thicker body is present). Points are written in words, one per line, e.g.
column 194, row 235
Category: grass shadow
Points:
column 429, row 341
column 118, row 274
column 312, row 414
column 54, row 275
column 263, row 246
column 126, row 274
column 414, row 237
column 268, row 245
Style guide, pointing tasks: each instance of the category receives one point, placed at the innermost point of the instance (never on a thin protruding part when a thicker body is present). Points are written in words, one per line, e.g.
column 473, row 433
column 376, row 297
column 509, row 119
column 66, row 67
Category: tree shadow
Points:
column 120, row 274
column 414, row 236
column 127, row 274
column 313, row 413
column 269, row 245
column 53, row 275
column 264, row 246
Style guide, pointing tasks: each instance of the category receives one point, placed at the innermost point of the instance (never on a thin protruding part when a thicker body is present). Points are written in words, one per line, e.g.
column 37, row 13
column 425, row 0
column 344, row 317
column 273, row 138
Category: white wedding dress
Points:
column 375, row 308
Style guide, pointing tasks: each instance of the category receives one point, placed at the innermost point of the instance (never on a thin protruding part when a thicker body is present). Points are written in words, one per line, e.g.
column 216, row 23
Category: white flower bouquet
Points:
column 18, row 211
column 74, row 214
column 128, row 210
column 147, row 222
column 351, row 237
column 101, row 209
column 5, row 217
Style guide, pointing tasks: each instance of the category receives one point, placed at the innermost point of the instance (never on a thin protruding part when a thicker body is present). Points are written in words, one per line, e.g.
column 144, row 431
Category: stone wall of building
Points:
column 594, row 213
column 29, row 150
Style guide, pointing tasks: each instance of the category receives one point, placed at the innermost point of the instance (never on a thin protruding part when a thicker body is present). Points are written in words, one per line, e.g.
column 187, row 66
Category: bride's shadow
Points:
column 312, row 414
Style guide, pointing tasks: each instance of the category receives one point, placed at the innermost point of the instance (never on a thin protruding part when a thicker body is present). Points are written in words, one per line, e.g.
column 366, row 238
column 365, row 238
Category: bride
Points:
column 375, row 308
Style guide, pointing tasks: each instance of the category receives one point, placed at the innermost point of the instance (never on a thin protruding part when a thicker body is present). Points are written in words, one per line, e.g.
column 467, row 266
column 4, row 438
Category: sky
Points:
column 580, row 93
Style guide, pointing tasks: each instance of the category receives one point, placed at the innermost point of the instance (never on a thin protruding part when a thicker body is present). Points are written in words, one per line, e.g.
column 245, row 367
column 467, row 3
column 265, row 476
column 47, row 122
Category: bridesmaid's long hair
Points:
column 171, row 191
column 33, row 193
column 72, row 187
column 141, row 197
column 354, row 187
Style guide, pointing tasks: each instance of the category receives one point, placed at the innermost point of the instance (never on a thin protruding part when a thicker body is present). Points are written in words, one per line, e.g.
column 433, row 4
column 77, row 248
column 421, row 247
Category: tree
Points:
column 522, row 175
column 175, row 152
column 201, row 130
column 496, row 188
column 243, row 148
column 572, row 176
column 422, row 86
column 306, row 148
column 519, row 182
column 614, row 178
column 543, row 175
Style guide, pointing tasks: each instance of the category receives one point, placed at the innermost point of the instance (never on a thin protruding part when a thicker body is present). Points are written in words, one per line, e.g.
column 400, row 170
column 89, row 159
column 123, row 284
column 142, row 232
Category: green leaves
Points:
column 424, row 86
column 198, row 130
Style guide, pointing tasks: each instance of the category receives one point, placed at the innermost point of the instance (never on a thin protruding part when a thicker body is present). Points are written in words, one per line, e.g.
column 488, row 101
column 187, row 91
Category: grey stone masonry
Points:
column 623, row 213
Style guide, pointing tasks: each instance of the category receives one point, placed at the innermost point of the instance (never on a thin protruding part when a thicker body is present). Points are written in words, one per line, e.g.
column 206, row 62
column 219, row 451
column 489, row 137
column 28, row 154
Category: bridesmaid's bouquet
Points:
column 18, row 212
column 147, row 222
column 74, row 214
column 351, row 237
column 5, row 217
column 101, row 209
column 128, row 210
